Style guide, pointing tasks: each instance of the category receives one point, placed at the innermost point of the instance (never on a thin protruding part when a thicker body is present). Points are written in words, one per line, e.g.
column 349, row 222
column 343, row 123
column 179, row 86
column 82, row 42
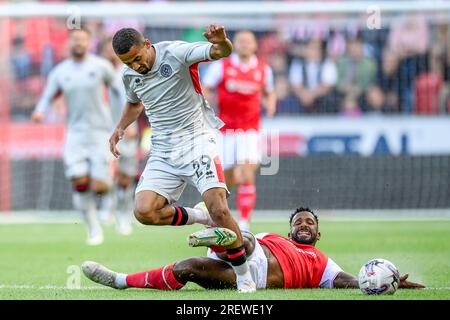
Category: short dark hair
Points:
column 125, row 38
column 301, row 209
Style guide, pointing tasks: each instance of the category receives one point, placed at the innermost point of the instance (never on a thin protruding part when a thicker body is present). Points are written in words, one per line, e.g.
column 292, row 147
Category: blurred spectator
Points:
column 279, row 64
column 287, row 103
column 375, row 101
column 356, row 72
column 440, row 55
column 313, row 79
column 350, row 107
column 404, row 67
column 409, row 36
column 20, row 59
column 336, row 45
column 428, row 88
column 273, row 43
column 408, row 41
column 389, row 81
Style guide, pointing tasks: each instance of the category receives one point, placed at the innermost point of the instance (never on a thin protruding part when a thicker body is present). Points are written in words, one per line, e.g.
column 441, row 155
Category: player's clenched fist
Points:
column 215, row 33
column 115, row 138
column 222, row 46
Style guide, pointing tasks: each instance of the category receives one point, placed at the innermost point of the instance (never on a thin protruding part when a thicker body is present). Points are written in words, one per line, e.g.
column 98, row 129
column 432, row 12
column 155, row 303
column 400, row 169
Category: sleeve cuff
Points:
column 208, row 52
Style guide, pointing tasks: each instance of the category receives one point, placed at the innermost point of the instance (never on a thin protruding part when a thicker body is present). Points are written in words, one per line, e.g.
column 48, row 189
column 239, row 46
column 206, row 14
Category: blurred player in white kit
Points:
column 81, row 79
column 127, row 164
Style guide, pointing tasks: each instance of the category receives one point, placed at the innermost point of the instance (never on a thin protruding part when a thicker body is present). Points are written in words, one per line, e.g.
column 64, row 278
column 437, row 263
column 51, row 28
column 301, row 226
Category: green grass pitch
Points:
column 38, row 260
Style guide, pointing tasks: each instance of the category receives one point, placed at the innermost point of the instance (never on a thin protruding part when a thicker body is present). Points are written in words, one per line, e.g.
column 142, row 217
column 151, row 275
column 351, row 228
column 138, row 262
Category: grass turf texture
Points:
column 35, row 259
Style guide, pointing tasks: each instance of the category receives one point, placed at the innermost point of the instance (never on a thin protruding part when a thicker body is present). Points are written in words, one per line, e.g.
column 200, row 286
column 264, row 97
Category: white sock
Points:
column 107, row 203
column 124, row 209
column 198, row 216
column 242, row 270
column 121, row 280
column 125, row 198
column 85, row 202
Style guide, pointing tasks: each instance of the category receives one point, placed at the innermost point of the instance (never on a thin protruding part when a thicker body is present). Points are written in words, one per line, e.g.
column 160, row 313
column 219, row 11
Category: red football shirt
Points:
column 239, row 95
column 302, row 265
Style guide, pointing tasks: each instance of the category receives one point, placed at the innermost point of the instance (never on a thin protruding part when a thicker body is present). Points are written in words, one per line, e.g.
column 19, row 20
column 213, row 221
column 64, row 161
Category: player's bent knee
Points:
column 146, row 215
column 99, row 187
column 124, row 184
column 123, row 180
column 190, row 268
column 146, row 218
column 219, row 213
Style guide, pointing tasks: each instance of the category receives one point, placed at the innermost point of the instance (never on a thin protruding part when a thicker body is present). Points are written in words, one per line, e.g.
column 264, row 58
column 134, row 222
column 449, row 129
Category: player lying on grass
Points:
column 274, row 261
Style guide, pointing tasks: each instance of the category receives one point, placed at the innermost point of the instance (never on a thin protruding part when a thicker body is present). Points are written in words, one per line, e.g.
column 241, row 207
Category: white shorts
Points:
column 257, row 263
column 239, row 148
column 87, row 157
column 168, row 176
column 128, row 162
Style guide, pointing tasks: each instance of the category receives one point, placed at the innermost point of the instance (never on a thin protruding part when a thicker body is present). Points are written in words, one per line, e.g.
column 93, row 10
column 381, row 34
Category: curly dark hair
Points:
column 125, row 38
column 301, row 209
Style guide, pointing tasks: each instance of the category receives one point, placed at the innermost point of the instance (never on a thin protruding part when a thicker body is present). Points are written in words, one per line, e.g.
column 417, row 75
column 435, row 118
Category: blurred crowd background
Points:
column 362, row 114
column 319, row 68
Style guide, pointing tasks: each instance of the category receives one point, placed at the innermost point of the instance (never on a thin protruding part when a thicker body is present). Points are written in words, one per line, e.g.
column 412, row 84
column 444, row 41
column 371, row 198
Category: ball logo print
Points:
column 166, row 70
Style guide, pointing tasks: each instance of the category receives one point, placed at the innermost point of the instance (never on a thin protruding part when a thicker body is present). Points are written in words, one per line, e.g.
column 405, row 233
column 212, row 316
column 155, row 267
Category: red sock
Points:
column 161, row 279
column 218, row 249
column 246, row 199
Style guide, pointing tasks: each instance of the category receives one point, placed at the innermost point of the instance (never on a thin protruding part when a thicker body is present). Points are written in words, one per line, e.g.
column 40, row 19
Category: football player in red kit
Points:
column 275, row 262
column 240, row 82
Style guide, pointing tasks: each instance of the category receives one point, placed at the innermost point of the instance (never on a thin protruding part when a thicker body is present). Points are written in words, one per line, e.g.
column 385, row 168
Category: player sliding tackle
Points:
column 275, row 262
column 162, row 78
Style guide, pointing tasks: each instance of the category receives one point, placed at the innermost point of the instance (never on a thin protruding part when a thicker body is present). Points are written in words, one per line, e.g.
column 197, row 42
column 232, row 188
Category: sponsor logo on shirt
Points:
column 310, row 253
column 243, row 87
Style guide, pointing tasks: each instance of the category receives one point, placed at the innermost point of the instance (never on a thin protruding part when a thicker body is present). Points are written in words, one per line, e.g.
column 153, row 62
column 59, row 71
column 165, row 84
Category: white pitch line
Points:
column 49, row 287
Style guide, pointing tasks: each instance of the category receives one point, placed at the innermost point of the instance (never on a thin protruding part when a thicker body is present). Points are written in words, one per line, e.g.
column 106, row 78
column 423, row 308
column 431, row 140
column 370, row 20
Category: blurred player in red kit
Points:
column 240, row 82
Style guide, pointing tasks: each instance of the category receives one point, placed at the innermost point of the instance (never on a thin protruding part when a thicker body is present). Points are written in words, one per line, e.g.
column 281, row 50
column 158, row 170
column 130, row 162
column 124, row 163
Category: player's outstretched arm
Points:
column 51, row 91
column 222, row 46
column 271, row 103
column 129, row 115
column 345, row 280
